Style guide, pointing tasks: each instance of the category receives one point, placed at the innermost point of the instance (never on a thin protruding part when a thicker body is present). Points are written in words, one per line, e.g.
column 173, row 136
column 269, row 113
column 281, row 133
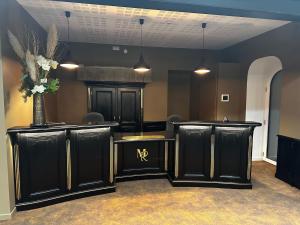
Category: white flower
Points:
column 53, row 64
column 44, row 81
column 43, row 62
column 38, row 89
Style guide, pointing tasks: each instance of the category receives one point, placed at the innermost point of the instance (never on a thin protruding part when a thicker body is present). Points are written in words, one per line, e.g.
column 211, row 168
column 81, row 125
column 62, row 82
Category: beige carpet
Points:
column 271, row 201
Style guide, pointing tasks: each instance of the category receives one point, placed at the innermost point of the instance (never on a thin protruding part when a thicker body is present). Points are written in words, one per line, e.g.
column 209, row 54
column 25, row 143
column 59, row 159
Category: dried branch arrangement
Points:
column 36, row 67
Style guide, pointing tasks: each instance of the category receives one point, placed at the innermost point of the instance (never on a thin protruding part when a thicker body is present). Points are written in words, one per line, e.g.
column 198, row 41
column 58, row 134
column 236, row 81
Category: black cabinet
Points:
column 43, row 165
column 231, row 153
column 140, row 159
column 56, row 164
column 194, row 152
column 288, row 160
column 213, row 154
column 91, row 157
column 121, row 104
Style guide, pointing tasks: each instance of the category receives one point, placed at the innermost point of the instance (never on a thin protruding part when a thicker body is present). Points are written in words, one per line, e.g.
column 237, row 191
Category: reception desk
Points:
column 60, row 163
column 141, row 155
column 216, row 154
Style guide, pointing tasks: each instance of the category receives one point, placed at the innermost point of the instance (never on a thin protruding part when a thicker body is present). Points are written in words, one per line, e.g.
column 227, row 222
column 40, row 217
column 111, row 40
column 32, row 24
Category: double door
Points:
column 121, row 104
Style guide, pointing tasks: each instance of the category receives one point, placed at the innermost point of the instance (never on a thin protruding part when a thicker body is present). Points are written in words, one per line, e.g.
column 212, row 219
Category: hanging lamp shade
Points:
column 202, row 69
column 141, row 66
column 67, row 62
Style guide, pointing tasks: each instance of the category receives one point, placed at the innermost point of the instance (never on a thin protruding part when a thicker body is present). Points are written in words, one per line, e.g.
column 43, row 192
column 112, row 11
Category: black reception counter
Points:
column 60, row 163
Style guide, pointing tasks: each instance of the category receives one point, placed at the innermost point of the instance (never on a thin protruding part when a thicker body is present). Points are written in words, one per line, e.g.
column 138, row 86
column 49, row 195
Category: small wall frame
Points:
column 225, row 98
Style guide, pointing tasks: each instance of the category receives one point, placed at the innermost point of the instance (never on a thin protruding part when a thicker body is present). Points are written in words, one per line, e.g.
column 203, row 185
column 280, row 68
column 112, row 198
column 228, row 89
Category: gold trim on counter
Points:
column 116, row 159
column 145, row 137
column 176, row 155
column 89, row 99
column 16, row 169
column 212, row 156
column 69, row 169
column 249, row 157
column 111, row 160
column 166, row 155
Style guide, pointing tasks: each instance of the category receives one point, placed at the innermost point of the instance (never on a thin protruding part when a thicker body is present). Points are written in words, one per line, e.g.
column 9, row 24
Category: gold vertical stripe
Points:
column 176, row 155
column 17, row 171
column 212, row 156
column 89, row 100
column 116, row 159
column 249, row 157
column 166, row 155
column 69, row 169
column 111, row 160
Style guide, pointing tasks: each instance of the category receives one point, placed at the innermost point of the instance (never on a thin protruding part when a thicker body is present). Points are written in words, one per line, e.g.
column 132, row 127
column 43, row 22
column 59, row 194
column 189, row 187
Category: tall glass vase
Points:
column 38, row 110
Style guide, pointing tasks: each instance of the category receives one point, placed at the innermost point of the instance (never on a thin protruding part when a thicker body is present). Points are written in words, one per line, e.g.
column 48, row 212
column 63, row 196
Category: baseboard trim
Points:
column 7, row 216
column 257, row 159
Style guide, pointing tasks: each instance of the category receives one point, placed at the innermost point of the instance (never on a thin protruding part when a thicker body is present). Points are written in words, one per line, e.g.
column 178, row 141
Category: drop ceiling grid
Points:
column 119, row 25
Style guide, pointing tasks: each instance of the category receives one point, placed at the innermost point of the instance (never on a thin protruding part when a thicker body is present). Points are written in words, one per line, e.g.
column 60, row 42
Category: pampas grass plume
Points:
column 51, row 41
column 17, row 47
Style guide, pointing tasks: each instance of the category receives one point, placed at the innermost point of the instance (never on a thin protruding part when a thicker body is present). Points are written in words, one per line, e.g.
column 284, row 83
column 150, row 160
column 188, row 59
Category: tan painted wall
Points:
column 203, row 96
column 18, row 113
column 284, row 44
column 7, row 203
column 179, row 88
column 290, row 105
column 155, row 94
column 229, row 82
column 15, row 18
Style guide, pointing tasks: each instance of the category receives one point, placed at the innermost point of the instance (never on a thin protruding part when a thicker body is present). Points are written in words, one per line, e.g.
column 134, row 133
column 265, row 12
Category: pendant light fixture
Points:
column 68, row 63
column 141, row 66
column 202, row 69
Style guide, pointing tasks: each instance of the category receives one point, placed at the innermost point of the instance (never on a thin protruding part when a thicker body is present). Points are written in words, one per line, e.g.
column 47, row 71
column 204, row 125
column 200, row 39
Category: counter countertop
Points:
column 57, row 126
column 142, row 136
column 219, row 123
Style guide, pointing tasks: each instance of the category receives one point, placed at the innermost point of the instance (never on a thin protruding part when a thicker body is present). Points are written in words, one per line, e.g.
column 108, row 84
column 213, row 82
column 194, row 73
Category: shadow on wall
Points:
column 17, row 112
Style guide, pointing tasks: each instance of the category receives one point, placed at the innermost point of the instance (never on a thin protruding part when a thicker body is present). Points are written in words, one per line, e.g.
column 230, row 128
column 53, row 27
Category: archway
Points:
column 260, row 75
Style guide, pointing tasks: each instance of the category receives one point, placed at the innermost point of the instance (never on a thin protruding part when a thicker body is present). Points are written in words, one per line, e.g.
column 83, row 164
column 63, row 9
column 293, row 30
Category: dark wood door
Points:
column 90, row 154
column 104, row 102
column 194, row 152
column 231, row 153
column 129, row 109
column 43, row 165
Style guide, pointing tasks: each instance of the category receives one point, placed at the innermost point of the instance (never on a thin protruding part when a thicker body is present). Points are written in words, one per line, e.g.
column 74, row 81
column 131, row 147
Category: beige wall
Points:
column 7, row 198
column 179, row 88
column 230, row 82
column 15, row 18
column 284, row 44
column 155, row 94
column 290, row 105
column 18, row 112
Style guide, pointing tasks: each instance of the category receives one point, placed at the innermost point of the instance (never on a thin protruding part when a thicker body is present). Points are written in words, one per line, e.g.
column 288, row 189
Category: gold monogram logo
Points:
column 142, row 154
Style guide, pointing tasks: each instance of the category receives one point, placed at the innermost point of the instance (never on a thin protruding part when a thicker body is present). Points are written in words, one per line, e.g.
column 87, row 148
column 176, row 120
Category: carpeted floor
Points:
column 271, row 201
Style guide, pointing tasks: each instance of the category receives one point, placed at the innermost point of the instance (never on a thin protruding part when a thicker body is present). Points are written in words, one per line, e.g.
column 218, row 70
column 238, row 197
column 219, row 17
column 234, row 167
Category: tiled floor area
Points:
column 271, row 201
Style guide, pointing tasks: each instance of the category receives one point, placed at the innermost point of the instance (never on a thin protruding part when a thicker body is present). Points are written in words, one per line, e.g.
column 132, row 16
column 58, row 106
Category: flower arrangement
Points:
column 36, row 67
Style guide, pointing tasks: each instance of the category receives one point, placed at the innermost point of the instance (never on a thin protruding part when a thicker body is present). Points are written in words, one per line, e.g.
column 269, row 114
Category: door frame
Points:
column 266, row 106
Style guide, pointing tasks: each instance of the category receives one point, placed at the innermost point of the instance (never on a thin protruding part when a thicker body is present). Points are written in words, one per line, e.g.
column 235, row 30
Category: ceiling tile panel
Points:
column 119, row 25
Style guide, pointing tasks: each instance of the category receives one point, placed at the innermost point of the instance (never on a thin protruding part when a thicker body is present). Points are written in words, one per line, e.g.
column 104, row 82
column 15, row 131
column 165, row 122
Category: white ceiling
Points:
column 119, row 25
